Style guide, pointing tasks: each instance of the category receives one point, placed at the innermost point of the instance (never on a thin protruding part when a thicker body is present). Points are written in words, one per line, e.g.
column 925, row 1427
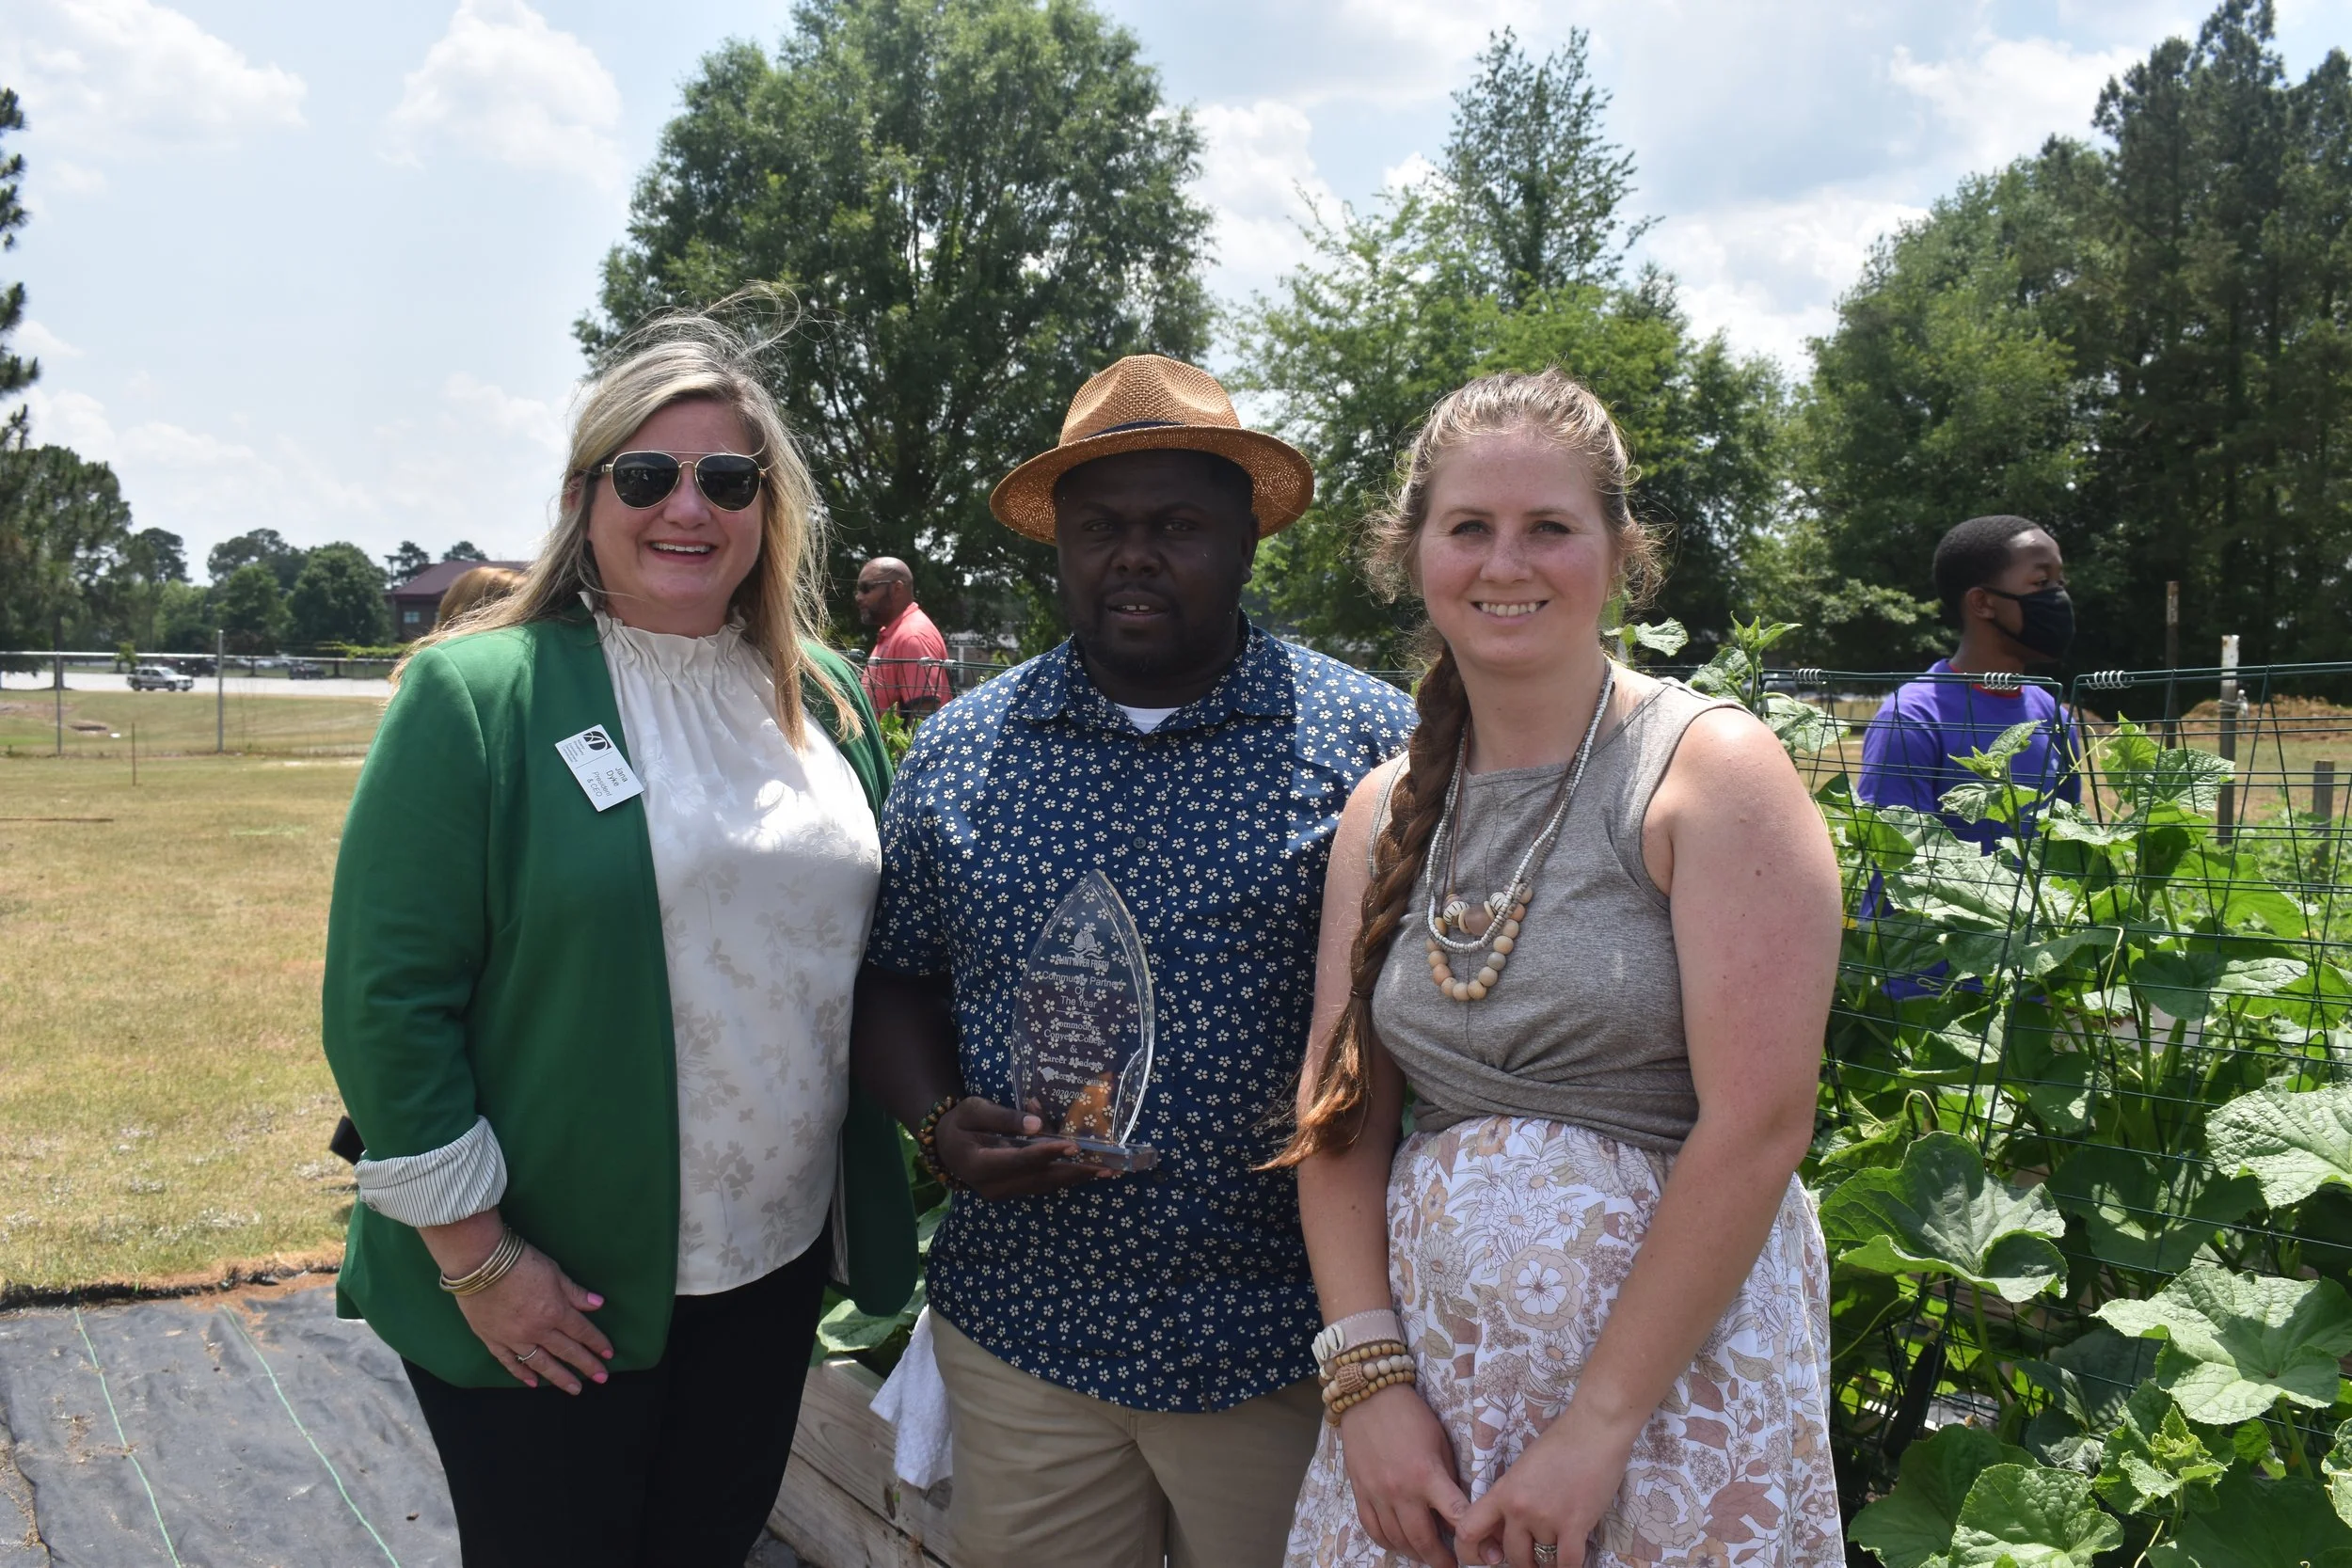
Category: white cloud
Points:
column 34, row 338
column 1409, row 172
column 503, row 412
column 503, row 84
column 1433, row 39
column 1766, row 273
column 71, row 419
column 204, row 486
column 2005, row 98
column 110, row 78
column 1259, row 177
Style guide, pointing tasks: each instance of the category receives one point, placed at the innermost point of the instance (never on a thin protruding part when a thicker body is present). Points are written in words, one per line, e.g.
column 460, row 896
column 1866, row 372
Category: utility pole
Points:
column 220, row 691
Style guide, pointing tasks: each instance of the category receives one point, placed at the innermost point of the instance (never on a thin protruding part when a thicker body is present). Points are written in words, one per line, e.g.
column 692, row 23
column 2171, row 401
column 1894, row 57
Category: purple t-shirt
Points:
column 1907, row 749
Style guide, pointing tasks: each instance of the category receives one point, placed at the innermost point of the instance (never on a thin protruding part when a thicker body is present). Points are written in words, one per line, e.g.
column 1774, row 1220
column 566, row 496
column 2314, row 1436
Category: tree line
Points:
column 2137, row 336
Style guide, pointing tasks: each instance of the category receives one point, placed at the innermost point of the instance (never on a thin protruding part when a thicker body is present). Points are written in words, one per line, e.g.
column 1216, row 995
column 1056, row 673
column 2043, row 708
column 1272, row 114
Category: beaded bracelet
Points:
column 926, row 1140
column 1354, row 1377
column 1339, row 1407
column 492, row 1269
column 1371, row 1350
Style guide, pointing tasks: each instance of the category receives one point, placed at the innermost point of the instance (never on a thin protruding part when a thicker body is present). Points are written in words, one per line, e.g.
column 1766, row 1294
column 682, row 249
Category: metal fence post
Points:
column 2225, row 816
column 220, row 691
column 2171, row 661
column 59, row 694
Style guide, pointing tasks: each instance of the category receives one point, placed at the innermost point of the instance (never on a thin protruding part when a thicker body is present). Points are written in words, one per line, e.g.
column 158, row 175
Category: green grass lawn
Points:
column 164, row 1104
column 183, row 723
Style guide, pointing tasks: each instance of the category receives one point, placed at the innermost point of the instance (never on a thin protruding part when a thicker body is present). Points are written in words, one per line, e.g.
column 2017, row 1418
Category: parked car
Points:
column 304, row 670
column 154, row 677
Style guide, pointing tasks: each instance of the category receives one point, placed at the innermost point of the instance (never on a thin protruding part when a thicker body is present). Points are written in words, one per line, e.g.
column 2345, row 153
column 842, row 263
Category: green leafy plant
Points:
column 2084, row 1164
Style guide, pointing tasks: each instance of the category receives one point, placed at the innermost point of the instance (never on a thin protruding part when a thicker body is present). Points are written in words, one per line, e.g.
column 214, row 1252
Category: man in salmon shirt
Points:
column 903, row 635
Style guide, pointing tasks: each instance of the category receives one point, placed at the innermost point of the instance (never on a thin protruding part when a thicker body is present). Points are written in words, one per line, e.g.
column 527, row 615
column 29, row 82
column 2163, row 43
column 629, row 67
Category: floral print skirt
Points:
column 1508, row 1239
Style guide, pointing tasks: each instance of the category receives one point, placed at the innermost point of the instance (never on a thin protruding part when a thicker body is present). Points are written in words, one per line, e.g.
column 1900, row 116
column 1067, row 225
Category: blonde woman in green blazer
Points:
column 598, row 912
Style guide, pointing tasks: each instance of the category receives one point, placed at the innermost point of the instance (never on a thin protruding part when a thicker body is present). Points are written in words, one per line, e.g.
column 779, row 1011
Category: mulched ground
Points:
column 250, row 1428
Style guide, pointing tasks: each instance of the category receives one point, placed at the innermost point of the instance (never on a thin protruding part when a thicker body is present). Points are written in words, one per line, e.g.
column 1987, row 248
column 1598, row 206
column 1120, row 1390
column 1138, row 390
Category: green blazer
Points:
column 494, row 948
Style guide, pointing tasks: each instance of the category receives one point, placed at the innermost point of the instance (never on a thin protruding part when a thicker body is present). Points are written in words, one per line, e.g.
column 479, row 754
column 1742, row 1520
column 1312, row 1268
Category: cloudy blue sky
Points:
column 312, row 267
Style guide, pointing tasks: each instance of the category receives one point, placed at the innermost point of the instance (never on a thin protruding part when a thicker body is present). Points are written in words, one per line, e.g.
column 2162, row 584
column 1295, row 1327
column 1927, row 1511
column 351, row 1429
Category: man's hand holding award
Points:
column 1081, row 1058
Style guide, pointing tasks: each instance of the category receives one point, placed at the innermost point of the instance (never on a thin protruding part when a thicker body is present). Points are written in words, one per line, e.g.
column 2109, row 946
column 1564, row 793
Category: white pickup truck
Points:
column 154, row 677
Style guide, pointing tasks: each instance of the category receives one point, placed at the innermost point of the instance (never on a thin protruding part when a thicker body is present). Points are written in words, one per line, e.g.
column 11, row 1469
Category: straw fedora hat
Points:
column 1146, row 403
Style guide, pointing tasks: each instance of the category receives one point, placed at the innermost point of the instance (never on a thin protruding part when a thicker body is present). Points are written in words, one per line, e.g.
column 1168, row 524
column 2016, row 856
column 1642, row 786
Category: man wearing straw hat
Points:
column 1126, row 1356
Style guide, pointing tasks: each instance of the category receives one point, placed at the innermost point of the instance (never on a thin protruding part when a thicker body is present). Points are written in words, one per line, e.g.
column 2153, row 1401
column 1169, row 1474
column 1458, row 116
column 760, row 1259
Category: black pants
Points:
column 675, row 1465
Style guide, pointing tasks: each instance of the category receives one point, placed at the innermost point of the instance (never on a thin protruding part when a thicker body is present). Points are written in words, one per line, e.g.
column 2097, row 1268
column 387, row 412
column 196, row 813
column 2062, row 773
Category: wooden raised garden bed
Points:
column 842, row 1505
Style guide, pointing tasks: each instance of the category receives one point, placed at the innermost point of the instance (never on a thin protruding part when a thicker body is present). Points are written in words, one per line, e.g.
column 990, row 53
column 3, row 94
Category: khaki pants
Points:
column 1048, row 1478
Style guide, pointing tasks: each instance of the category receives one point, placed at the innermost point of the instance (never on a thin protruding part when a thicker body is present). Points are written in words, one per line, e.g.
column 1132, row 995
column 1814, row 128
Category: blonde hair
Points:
column 1557, row 408
column 681, row 357
column 472, row 590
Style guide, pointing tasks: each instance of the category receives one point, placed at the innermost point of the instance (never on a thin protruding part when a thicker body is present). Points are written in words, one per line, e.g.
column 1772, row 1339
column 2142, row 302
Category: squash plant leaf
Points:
column 2154, row 1462
column 1663, row 637
column 2336, row 1465
column 2229, row 887
column 1802, row 728
column 2146, row 1213
column 1940, row 1213
column 2089, row 1380
column 2194, row 986
column 2237, row 1344
column 1954, row 884
column 2337, row 1468
column 2034, row 1517
column 2260, row 1523
column 2293, row 1143
column 1914, row 1522
column 2147, row 777
column 2055, row 1084
column 845, row 1330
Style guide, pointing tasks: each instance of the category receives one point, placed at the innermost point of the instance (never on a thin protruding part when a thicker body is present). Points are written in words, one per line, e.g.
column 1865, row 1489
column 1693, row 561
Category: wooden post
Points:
column 2171, row 662
column 2225, row 820
column 2323, row 791
column 134, row 753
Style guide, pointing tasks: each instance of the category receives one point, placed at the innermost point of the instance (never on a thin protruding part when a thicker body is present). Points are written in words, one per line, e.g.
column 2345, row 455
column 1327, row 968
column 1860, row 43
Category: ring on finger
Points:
column 1547, row 1554
column 527, row 1356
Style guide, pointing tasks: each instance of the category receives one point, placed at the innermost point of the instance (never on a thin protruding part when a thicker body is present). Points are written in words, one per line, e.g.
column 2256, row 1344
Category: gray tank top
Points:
column 1586, row 1023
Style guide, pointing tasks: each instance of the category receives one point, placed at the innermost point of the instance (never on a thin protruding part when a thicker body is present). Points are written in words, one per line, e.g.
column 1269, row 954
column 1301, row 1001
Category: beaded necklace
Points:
column 1506, row 909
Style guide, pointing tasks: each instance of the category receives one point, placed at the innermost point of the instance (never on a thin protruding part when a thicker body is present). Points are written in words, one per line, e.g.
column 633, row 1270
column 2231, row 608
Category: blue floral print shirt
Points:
column 1184, row 1288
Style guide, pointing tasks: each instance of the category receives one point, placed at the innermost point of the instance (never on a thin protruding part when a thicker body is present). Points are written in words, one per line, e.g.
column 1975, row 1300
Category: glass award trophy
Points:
column 1082, row 1043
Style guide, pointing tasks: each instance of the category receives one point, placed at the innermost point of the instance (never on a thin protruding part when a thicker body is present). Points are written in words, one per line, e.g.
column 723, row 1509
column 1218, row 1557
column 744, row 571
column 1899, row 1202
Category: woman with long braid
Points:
column 1590, row 920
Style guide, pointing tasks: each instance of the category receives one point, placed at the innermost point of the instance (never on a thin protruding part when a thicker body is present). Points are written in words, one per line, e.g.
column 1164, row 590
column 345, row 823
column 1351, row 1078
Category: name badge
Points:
column 600, row 766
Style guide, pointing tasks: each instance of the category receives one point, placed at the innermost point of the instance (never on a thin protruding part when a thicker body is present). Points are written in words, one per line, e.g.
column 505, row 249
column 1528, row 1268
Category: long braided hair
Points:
column 1549, row 406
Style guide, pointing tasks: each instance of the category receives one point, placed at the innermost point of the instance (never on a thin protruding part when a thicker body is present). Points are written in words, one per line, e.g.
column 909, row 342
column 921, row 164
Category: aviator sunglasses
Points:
column 727, row 480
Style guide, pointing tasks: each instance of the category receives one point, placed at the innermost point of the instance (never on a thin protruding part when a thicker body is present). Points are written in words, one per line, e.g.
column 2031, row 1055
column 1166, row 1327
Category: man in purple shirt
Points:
column 2003, row 582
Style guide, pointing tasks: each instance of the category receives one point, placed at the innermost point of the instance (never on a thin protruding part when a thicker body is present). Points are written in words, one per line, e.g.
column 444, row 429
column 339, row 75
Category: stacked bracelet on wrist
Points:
column 926, row 1140
column 492, row 1269
column 1355, row 1376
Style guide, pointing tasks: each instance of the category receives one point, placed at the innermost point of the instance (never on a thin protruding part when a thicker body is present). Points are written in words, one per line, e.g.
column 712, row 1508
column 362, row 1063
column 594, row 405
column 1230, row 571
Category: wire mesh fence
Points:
column 110, row 724
column 2087, row 1053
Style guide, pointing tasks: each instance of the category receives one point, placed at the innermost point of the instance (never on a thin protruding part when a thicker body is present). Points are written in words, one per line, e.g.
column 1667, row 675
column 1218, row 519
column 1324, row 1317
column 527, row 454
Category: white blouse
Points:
column 768, row 862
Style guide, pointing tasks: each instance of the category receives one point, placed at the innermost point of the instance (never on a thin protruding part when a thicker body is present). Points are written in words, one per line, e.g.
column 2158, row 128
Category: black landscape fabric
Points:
column 214, row 1396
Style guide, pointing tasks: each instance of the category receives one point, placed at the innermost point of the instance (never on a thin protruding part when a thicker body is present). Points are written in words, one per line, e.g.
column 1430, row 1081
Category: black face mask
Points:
column 2046, row 621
